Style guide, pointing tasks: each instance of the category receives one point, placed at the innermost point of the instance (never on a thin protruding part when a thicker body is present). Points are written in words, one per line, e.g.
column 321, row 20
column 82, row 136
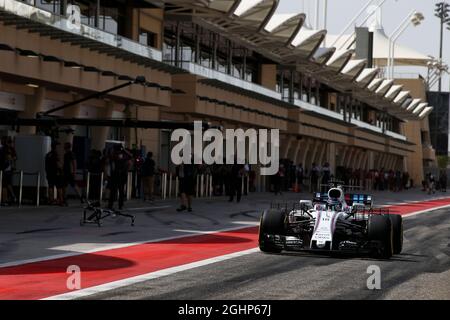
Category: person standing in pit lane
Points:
column 236, row 175
column 148, row 176
column 119, row 164
column 55, row 178
column 186, row 173
column 8, row 158
column 69, row 172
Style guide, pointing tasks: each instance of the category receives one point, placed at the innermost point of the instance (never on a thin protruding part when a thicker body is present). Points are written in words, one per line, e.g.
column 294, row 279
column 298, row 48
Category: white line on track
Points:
column 425, row 211
column 149, row 276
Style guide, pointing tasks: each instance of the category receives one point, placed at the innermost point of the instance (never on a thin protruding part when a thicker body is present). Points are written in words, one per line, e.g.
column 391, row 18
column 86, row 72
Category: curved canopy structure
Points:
column 384, row 87
column 401, row 97
column 426, row 112
column 367, row 76
column 375, row 84
column 420, row 108
column 413, row 105
column 323, row 55
column 354, row 68
column 340, row 59
column 284, row 38
column 393, row 92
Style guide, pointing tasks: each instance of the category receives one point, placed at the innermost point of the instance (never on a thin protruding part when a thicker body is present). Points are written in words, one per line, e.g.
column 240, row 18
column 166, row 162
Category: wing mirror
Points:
column 306, row 205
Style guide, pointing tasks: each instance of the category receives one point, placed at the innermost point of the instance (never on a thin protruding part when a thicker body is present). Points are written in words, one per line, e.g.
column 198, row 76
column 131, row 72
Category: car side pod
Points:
column 380, row 231
column 272, row 224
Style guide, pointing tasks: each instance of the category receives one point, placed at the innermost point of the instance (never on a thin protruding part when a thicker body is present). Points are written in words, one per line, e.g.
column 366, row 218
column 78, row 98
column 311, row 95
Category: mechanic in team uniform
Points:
column 69, row 171
column 148, row 176
column 236, row 174
column 8, row 157
column 119, row 164
column 186, row 174
column 55, row 178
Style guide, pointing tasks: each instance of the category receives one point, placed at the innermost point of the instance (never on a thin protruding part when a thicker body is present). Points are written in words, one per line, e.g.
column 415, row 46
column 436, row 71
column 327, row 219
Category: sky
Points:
column 424, row 38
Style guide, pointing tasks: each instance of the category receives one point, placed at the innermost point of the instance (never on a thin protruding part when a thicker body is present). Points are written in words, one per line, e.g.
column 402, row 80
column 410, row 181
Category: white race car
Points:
column 332, row 222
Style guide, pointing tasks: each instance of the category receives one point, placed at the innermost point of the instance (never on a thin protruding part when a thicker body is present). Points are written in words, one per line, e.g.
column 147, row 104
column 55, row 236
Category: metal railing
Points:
column 88, row 184
column 61, row 23
column 21, row 175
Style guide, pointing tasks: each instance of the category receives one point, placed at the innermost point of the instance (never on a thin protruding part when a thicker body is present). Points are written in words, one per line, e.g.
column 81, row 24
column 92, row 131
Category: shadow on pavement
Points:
column 86, row 262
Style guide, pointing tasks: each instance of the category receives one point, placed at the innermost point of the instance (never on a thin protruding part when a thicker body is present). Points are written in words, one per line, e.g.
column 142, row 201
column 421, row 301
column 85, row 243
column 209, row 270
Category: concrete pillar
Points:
column 345, row 155
column 370, row 160
column 100, row 134
column 313, row 153
column 268, row 76
column 305, row 154
column 366, row 162
column 387, row 162
column 286, row 148
column 383, row 161
column 322, row 157
column 71, row 112
column 354, row 162
column 353, row 155
column 392, row 162
column 297, row 151
column 331, row 157
column 33, row 105
column 377, row 162
column 350, row 155
column 360, row 160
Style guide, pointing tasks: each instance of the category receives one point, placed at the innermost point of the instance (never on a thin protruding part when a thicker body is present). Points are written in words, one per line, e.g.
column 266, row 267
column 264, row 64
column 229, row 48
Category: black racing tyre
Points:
column 397, row 226
column 380, row 230
column 272, row 223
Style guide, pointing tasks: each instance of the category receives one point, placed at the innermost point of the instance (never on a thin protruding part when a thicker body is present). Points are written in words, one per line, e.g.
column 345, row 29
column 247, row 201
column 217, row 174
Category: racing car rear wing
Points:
column 350, row 198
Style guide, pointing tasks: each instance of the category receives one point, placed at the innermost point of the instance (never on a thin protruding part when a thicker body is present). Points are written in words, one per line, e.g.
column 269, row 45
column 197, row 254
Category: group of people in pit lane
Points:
column 233, row 181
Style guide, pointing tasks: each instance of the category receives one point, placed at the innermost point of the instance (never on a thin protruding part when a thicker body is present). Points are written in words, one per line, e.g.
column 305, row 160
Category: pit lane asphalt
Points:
column 422, row 271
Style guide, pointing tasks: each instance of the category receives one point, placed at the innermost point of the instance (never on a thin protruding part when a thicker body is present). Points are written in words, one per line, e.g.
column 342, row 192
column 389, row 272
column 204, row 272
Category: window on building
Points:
column 51, row 6
column 115, row 134
column 148, row 38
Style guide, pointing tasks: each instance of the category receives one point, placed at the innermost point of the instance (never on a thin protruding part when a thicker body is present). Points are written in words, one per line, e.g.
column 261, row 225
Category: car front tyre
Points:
column 272, row 223
column 397, row 226
column 380, row 230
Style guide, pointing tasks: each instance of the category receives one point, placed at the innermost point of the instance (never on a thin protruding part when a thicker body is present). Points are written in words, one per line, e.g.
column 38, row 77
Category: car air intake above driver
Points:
column 335, row 193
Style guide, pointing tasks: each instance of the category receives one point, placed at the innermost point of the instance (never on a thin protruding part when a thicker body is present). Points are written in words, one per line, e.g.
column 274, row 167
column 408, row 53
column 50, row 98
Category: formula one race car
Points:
column 331, row 223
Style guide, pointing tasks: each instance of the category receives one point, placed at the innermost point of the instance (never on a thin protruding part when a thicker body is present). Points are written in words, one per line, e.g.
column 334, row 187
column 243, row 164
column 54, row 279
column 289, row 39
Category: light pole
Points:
column 325, row 19
column 317, row 20
column 435, row 71
column 442, row 12
column 415, row 18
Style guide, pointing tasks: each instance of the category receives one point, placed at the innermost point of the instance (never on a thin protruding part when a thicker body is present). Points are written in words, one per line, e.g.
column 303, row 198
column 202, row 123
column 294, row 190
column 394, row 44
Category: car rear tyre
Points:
column 380, row 230
column 272, row 223
column 397, row 226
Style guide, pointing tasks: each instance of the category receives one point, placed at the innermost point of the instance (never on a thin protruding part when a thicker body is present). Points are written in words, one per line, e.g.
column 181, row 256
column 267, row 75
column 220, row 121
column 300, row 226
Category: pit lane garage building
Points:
column 231, row 63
